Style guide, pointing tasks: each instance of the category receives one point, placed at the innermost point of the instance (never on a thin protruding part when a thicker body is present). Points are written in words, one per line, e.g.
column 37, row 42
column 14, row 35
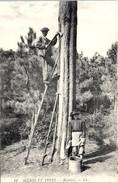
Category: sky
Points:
column 97, row 23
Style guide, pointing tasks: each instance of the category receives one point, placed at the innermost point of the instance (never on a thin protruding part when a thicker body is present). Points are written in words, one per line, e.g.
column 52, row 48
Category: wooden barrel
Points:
column 75, row 164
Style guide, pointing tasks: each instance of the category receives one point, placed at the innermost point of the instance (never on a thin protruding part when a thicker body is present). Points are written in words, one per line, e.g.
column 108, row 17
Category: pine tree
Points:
column 67, row 81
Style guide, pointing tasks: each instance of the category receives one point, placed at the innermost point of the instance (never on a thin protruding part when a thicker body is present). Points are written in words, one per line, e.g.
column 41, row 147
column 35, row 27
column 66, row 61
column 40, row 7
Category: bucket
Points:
column 75, row 164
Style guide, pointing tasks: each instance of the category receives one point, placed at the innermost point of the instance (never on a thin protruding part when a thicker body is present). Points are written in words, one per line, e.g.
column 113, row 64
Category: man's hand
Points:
column 57, row 33
column 69, row 144
column 43, row 46
column 82, row 141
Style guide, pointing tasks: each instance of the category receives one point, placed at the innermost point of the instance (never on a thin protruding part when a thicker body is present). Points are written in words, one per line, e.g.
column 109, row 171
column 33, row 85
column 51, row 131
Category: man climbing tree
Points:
column 44, row 46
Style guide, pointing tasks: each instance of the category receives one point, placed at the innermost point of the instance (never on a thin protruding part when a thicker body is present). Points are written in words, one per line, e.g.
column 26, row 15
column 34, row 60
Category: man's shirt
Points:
column 76, row 126
column 42, row 41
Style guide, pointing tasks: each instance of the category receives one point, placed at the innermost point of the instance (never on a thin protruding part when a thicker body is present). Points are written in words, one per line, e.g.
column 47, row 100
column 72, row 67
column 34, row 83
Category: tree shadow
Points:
column 99, row 155
column 97, row 159
column 103, row 150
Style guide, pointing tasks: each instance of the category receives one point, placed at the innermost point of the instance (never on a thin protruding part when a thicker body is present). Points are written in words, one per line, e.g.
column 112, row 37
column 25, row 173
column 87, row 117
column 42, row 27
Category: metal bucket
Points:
column 75, row 164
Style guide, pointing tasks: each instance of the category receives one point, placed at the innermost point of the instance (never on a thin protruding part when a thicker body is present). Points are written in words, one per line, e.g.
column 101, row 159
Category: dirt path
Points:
column 99, row 165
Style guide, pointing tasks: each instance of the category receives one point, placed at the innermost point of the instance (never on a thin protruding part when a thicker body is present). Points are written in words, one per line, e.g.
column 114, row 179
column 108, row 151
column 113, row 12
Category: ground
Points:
column 100, row 164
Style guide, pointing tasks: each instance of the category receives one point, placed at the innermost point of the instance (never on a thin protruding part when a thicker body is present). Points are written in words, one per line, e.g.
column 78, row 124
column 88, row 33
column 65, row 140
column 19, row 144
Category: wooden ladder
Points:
column 39, row 110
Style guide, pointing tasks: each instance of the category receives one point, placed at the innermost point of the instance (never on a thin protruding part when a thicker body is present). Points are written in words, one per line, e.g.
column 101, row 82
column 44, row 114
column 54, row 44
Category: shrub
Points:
column 10, row 130
column 101, row 128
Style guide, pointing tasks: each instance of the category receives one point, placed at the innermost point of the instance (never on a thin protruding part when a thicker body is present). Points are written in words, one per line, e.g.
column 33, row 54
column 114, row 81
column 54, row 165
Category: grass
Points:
column 97, row 161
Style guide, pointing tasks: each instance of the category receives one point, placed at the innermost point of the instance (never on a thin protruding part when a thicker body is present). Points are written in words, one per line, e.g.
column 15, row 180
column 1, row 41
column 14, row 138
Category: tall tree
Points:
column 67, row 67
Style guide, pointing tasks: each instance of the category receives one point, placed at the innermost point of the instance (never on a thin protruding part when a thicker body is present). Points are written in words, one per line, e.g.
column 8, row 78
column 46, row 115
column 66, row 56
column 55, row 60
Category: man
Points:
column 77, row 134
column 45, row 52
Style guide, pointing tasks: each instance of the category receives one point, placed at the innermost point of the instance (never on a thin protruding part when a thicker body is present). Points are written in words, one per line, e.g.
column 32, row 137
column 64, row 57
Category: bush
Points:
column 101, row 128
column 10, row 130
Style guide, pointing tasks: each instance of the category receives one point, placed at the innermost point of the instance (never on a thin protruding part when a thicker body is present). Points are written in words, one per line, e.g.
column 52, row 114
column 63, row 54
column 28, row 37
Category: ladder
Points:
column 39, row 110
column 50, row 126
column 33, row 126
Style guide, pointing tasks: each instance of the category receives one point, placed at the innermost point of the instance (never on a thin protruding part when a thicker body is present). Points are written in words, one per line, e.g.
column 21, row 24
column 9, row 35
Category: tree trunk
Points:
column 116, row 89
column 67, row 68
column 73, row 53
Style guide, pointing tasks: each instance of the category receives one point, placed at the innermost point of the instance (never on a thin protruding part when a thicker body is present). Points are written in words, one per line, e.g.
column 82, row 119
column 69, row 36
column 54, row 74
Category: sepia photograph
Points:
column 58, row 91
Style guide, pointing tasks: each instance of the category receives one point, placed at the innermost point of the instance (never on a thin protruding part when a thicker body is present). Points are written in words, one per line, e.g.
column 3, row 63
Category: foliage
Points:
column 101, row 128
column 22, row 89
column 10, row 132
column 112, row 52
column 96, row 95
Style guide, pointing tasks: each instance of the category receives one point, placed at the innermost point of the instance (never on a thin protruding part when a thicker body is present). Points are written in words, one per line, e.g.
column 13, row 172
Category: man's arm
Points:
column 40, row 44
column 83, row 130
column 54, row 41
column 70, row 131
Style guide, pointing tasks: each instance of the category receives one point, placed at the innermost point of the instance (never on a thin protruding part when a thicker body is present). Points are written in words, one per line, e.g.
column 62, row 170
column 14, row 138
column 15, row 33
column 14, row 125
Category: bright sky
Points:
column 97, row 23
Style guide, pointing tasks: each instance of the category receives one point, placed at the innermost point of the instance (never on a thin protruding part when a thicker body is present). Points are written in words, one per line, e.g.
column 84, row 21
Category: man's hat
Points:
column 74, row 112
column 44, row 29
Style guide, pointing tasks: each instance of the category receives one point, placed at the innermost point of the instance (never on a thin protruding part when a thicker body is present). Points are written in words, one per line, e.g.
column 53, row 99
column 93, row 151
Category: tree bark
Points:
column 72, row 60
column 67, row 68
column 116, row 93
